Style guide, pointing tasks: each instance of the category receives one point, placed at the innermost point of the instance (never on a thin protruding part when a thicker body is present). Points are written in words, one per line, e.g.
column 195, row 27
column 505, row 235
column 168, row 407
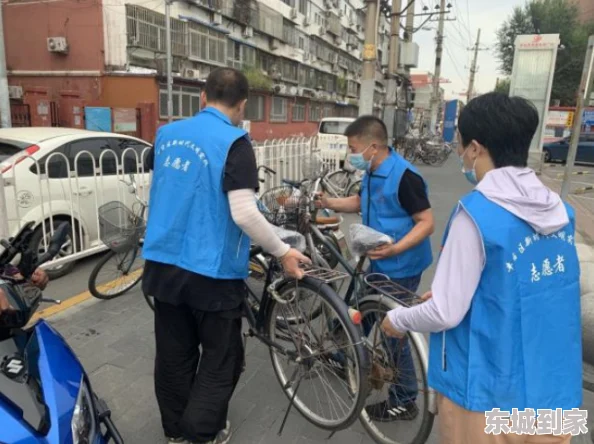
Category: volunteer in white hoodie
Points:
column 504, row 307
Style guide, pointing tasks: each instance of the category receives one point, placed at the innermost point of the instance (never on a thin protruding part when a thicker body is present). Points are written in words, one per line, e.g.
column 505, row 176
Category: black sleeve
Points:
column 241, row 171
column 149, row 160
column 411, row 194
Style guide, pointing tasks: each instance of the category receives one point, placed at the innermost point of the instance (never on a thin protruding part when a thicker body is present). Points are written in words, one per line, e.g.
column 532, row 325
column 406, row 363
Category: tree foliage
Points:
column 549, row 17
column 503, row 86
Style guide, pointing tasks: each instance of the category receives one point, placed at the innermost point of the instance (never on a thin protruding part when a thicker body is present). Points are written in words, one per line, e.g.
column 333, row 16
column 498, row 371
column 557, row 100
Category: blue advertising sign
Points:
column 97, row 118
column 588, row 117
column 449, row 120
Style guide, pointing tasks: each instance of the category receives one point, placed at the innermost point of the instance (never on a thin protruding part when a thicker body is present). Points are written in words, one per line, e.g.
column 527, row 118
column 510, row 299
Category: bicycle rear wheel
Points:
column 398, row 381
column 116, row 273
column 325, row 353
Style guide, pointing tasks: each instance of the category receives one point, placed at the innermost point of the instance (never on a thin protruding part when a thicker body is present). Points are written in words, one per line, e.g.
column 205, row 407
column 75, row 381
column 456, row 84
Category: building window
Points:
column 278, row 110
column 146, row 29
column 291, row 3
column 207, row 45
column 240, row 56
column 299, row 112
column 352, row 88
column 303, row 6
column 290, row 70
column 289, row 33
column 186, row 101
column 254, row 109
column 315, row 110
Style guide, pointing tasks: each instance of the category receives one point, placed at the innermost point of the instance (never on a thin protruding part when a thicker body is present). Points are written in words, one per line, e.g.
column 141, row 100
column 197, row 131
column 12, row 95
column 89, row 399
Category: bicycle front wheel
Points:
column 326, row 364
column 397, row 410
column 116, row 273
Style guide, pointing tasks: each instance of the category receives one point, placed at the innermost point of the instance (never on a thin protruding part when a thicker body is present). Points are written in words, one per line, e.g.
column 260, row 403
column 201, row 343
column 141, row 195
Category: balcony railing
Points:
column 146, row 29
column 334, row 26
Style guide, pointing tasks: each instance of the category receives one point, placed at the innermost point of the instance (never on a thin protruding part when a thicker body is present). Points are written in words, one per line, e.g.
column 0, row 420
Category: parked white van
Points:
column 331, row 133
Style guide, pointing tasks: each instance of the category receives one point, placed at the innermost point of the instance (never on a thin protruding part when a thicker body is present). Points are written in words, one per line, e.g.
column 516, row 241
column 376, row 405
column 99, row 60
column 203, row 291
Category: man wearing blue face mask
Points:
column 394, row 201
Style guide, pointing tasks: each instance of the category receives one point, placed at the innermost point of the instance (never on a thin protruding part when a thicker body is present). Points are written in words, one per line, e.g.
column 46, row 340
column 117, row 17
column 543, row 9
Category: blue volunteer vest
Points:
column 519, row 345
column 190, row 223
column 381, row 211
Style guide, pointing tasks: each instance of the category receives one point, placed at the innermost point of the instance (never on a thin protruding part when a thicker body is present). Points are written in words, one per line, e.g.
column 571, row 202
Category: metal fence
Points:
column 70, row 187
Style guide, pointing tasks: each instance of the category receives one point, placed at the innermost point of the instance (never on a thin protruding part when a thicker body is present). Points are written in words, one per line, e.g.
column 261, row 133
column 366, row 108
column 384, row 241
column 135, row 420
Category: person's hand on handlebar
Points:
column 291, row 261
column 321, row 200
column 40, row 279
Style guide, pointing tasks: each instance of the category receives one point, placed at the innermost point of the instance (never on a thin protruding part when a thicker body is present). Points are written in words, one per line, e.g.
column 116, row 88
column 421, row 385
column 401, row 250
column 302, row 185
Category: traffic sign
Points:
column 589, row 117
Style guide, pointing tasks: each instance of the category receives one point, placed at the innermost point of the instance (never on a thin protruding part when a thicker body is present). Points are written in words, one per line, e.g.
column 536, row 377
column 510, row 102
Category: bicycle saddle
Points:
column 292, row 183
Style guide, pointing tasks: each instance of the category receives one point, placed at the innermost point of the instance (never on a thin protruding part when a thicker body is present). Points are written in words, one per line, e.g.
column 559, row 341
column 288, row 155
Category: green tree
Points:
column 549, row 17
column 503, row 86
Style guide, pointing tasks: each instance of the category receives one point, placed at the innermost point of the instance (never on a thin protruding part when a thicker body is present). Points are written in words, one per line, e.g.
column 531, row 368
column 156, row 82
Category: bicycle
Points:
column 122, row 230
column 312, row 359
column 373, row 308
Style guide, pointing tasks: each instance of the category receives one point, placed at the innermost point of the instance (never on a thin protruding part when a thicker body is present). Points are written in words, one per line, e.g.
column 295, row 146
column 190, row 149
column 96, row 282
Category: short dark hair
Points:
column 226, row 86
column 503, row 125
column 368, row 127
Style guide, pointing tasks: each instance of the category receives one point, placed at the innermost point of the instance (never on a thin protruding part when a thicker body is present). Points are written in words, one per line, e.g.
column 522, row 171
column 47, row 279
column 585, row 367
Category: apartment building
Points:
column 302, row 57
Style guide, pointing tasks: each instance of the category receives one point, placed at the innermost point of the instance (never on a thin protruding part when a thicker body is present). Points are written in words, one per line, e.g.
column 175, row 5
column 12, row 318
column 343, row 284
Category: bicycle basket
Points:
column 280, row 206
column 119, row 228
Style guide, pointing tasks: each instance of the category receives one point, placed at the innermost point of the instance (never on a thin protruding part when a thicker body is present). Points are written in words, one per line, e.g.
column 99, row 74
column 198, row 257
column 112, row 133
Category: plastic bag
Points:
column 293, row 238
column 364, row 239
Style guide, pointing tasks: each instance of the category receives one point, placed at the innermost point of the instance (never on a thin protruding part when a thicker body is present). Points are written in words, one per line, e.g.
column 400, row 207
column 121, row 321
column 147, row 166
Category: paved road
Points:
column 114, row 340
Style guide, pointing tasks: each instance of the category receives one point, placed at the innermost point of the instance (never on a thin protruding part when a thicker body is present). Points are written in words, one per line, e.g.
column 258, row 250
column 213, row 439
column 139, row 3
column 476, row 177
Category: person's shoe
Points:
column 177, row 441
column 385, row 412
column 223, row 437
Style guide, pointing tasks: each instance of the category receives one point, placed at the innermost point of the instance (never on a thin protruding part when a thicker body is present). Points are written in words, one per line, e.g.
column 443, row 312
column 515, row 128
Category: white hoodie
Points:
column 461, row 262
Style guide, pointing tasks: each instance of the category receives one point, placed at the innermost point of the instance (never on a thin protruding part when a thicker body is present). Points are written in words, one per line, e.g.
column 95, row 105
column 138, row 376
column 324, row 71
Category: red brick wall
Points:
column 27, row 25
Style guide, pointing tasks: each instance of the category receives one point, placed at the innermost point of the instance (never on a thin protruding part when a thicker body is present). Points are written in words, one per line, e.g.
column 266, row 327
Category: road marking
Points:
column 75, row 300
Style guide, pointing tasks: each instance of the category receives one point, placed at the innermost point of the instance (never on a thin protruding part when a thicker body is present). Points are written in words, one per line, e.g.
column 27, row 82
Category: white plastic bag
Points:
column 293, row 238
column 364, row 239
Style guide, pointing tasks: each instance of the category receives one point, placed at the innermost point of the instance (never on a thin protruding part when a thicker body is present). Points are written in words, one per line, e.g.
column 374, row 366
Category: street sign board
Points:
column 532, row 75
column 588, row 117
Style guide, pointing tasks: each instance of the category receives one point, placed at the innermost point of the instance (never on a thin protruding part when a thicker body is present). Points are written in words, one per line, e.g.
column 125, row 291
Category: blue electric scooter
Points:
column 45, row 394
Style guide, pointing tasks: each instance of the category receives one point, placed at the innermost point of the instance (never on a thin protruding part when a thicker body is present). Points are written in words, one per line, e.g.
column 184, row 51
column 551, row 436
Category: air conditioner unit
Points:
column 248, row 32
column 306, row 21
column 293, row 13
column 57, row 44
column 280, row 89
column 217, row 19
column 191, row 73
column 322, row 31
column 15, row 92
column 293, row 90
column 274, row 44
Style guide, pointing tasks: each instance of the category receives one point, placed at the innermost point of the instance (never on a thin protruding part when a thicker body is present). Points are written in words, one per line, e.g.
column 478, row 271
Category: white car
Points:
column 331, row 133
column 57, row 175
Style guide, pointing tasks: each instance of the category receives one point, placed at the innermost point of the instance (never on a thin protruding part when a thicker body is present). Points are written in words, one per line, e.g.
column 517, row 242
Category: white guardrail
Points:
column 58, row 190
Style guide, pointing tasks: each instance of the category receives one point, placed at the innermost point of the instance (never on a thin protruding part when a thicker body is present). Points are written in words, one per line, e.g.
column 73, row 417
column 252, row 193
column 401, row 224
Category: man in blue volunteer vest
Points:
column 504, row 310
column 203, row 214
column 394, row 201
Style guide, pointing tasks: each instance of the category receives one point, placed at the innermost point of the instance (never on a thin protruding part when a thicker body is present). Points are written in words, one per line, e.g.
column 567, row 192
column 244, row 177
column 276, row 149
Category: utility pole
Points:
column 5, row 121
column 369, row 58
column 393, row 62
column 437, row 73
column 473, row 67
column 169, row 60
column 584, row 93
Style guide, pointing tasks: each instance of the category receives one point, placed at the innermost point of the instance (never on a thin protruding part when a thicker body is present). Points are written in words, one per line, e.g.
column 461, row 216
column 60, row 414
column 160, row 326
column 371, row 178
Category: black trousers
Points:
column 194, row 389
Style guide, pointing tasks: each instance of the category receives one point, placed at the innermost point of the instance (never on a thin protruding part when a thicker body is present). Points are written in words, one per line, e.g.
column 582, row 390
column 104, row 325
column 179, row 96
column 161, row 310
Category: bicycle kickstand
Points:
column 291, row 402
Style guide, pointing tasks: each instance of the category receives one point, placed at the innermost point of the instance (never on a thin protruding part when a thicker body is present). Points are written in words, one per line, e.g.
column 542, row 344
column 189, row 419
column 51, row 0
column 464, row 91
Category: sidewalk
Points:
column 114, row 340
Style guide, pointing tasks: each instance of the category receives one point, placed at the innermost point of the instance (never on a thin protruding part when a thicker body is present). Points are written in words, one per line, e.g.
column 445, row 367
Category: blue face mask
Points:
column 358, row 161
column 469, row 174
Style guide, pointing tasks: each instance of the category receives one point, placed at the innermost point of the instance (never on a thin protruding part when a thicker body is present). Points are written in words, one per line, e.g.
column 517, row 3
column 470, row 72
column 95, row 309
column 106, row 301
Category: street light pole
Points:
column 169, row 60
column 437, row 73
column 583, row 96
column 369, row 59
